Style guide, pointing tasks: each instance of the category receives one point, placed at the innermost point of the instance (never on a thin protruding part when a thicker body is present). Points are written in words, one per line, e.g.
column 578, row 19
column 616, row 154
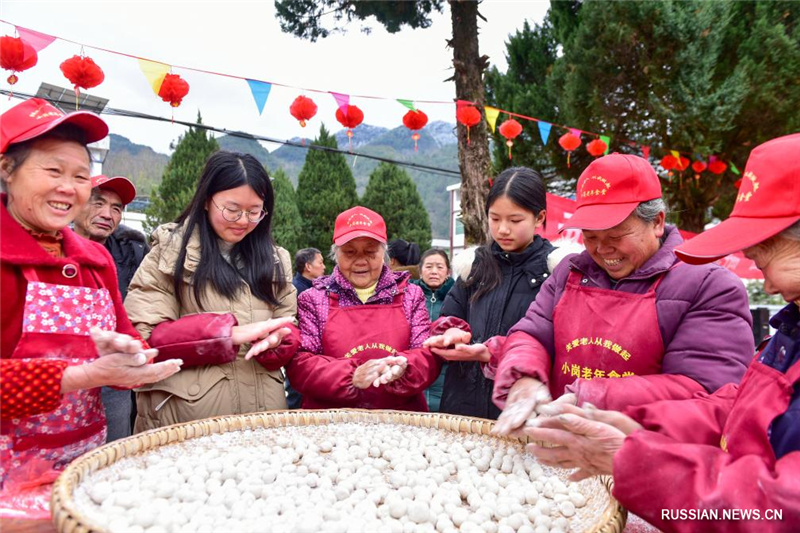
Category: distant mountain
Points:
column 437, row 147
column 137, row 162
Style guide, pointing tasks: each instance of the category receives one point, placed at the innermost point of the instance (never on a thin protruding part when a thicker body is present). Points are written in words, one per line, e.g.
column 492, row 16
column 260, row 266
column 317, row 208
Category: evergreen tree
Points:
column 287, row 225
column 179, row 181
column 392, row 193
column 700, row 77
column 325, row 188
column 307, row 19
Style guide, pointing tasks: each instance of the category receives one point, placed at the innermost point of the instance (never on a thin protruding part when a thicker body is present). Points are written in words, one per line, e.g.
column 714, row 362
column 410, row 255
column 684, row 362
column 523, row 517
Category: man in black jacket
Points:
column 100, row 222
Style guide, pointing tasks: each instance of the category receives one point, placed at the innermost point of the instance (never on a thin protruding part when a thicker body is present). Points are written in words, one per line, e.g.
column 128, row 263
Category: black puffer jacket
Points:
column 466, row 390
column 128, row 247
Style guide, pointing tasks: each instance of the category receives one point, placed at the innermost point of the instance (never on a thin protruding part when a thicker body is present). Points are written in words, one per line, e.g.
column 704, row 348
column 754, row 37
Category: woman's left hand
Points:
column 449, row 338
column 464, row 352
column 581, row 443
column 264, row 335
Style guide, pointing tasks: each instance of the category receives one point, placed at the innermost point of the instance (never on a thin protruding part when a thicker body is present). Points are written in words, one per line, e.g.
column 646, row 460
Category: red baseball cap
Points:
column 768, row 202
column 358, row 222
column 610, row 189
column 35, row 117
column 118, row 184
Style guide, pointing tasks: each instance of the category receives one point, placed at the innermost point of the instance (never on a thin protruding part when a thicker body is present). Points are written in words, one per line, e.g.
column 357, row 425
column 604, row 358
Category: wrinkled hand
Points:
column 587, row 445
column 523, row 399
column 264, row 335
column 122, row 363
column 368, row 372
column 395, row 368
column 464, row 352
column 448, row 338
column 623, row 423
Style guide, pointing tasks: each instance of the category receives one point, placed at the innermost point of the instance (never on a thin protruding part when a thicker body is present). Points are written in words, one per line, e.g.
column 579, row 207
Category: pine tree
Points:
column 325, row 188
column 179, row 181
column 287, row 225
column 392, row 193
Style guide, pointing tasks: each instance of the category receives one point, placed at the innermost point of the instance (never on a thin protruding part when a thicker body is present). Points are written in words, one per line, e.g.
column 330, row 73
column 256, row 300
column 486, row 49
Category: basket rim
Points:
column 68, row 519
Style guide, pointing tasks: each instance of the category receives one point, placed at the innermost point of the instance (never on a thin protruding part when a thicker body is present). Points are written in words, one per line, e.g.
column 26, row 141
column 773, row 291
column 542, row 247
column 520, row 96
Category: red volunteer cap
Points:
column 35, row 117
column 118, row 184
column 359, row 222
column 610, row 189
column 768, row 202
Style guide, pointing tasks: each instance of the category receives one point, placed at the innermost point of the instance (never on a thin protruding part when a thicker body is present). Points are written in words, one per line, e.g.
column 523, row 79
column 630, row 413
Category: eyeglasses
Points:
column 233, row 215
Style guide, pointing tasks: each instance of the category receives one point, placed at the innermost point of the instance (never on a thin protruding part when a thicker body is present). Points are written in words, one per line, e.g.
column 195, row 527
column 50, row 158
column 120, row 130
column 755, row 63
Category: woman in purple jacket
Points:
column 624, row 323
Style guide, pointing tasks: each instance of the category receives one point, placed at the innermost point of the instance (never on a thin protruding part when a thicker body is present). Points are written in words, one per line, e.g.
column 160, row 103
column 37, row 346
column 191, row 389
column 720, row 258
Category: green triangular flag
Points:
column 408, row 103
column 606, row 139
column 735, row 170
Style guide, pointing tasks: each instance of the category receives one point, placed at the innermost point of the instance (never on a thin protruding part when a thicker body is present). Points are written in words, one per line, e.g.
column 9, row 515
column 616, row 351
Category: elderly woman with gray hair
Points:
column 625, row 322
column 362, row 327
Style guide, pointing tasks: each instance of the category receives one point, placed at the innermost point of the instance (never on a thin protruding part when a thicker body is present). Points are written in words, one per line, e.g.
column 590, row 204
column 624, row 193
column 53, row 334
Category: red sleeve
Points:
column 616, row 394
column 654, row 473
column 495, row 346
column 699, row 420
column 523, row 356
column 423, row 369
column 443, row 323
column 324, row 377
column 201, row 339
column 283, row 353
column 20, row 397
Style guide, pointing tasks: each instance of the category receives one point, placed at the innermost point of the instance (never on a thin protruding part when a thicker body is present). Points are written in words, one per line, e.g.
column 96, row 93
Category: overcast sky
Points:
column 244, row 39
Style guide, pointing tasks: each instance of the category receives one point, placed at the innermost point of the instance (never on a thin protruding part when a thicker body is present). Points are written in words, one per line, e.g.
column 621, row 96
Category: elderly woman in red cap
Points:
column 362, row 327
column 737, row 450
column 61, row 307
column 624, row 322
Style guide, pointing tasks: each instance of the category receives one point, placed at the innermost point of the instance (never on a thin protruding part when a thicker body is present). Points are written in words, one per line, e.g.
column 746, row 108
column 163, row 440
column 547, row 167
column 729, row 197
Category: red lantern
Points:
column 717, row 167
column 16, row 55
column 303, row 109
column 415, row 120
column 469, row 116
column 699, row 166
column 569, row 142
column 668, row 162
column 83, row 73
column 350, row 119
column 173, row 89
column 597, row 147
column 510, row 129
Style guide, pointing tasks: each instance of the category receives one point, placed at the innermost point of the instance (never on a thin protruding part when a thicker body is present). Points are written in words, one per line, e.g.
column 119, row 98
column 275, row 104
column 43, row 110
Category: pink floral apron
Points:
column 34, row 449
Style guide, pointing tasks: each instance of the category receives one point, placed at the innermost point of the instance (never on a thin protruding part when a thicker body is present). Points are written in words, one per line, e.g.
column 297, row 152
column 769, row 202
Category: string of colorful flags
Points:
column 20, row 53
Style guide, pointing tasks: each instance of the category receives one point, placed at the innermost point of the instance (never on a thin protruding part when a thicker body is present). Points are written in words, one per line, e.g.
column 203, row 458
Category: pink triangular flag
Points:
column 39, row 41
column 342, row 101
column 646, row 151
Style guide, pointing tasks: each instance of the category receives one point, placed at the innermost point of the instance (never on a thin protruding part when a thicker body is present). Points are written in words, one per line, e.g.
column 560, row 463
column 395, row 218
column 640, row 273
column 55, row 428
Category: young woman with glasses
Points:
column 216, row 291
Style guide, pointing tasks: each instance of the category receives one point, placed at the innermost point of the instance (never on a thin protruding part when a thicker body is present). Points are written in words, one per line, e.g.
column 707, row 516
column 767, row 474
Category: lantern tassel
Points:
column 509, row 143
column 350, row 140
column 77, row 96
column 568, row 154
column 467, row 134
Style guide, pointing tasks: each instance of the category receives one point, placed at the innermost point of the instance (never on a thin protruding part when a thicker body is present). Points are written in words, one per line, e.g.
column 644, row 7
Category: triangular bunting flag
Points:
column 544, row 131
column 39, row 41
column 342, row 101
column 606, row 139
column 576, row 132
column 260, row 92
column 154, row 72
column 675, row 154
column 646, row 151
column 408, row 103
column 735, row 170
column 491, row 116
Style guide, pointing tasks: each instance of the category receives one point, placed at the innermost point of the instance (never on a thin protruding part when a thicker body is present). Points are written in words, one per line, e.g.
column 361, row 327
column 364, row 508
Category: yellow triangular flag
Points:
column 675, row 154
column 491, row 116
column 154, row 72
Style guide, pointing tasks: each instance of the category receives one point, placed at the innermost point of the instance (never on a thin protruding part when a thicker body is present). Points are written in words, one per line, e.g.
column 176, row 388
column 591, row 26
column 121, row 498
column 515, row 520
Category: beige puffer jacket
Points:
column 210, row 390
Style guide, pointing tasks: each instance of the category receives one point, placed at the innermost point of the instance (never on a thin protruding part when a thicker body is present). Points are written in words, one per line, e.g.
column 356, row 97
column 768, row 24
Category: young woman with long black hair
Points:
column 211, row 292
column 504, row 279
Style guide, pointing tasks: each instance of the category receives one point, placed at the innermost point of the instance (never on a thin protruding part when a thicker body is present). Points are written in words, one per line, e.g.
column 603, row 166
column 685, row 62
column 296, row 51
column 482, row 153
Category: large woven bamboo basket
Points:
column 609, row 517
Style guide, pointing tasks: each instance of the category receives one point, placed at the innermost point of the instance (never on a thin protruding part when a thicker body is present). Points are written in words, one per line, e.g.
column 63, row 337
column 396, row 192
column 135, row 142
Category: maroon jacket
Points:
column 703, row 317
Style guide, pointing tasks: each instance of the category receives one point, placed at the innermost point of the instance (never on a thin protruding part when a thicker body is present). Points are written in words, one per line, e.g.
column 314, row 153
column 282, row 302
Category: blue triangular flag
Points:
column 260, row 92
column 544, row 131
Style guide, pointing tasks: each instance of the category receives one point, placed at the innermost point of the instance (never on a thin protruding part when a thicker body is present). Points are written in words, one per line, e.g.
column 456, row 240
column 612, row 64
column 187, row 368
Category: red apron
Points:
column 33, row 450
column 365, row 332
column 602, row 333
column 764, row 394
